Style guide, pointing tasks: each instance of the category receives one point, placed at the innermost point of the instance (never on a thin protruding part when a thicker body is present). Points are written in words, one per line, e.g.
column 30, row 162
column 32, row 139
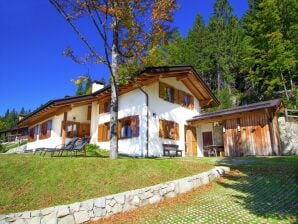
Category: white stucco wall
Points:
column 80, row 113
column 134, row 103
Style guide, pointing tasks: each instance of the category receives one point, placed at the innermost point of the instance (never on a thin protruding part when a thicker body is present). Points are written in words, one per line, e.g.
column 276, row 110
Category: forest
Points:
column 242, row 60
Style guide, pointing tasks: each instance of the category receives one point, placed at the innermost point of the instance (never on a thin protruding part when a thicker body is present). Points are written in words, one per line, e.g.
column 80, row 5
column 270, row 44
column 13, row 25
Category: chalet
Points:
column 158, row 107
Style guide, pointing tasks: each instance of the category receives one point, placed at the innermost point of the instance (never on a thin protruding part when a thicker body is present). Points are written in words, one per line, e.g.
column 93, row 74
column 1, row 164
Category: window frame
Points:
column 45, row 130
column 135, row 129
column 167, row 124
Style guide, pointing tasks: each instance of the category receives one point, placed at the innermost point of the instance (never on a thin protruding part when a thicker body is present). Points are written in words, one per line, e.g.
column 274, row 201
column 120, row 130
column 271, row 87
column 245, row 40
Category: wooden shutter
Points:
column 180, row 98
column 100, row 133
column 191, row 105
column 135, row 126
column 162, row 128
column 176, row 127
column 101, row 108
column 176, row 96
column 119, row 128
column 49, row 129
column 162, row 89
column 89, row 112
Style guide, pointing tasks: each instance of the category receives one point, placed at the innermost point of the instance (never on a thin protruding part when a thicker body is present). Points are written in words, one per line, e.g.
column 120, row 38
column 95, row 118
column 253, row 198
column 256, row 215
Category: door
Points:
column 207, row 138
column 190, row 141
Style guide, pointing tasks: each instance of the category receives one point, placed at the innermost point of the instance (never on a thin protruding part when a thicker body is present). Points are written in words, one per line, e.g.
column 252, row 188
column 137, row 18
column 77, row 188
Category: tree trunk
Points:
column 284, row 85
column 114, row 95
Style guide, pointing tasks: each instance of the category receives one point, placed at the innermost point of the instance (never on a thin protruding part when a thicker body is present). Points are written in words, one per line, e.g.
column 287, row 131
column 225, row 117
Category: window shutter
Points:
column 176, row 126
column 49, row 128
column 161, row 128
column 180, row 98
column 119, row 128
column 100, row 133
column 162, row 89
column 89, row 112
column 135, row 126
column 101, row 108
column 176, row 96
column 191, row 105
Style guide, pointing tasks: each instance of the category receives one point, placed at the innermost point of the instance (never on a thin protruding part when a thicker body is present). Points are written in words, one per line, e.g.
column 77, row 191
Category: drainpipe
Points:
column 147, row 130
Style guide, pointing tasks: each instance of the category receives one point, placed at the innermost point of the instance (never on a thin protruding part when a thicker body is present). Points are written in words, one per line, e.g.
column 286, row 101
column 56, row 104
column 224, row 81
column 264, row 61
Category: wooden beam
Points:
column 225, row 117
column 64, row 127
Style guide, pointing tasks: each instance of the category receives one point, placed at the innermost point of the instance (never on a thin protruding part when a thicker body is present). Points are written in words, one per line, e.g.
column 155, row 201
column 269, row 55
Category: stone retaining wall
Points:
column 97, row 208
column 288, row 135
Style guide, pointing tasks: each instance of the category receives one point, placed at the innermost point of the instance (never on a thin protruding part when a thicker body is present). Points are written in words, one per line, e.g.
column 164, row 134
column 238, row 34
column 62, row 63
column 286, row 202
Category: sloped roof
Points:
column 222, row 114
column 184, row 73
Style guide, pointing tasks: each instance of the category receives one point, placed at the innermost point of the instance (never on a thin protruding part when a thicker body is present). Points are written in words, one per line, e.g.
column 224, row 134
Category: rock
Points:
column 81, row 216
column 49, row 219
column 117, row 208
column 67, row 220
column 154, row 199
column 35, row 213
column 100, row 202
column 112, row 202
column 20, row 221
column 87, row 205
column 10, row 217
column 2, row 217
column 170, row 194
column 75, row 207
column 204, row 178
column 3, row 222
column 26, row 215
column 147, row 195
column 120, row 198
column 34, row 220
column 100, row 212
column 47, row 211
column 184, row 186
column 135, row 201
column 91, row 214
column 62, row 211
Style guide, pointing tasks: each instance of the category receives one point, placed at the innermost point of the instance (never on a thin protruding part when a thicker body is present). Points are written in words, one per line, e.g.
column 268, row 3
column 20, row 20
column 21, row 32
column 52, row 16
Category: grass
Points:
column 258, row 190
column 31, row 182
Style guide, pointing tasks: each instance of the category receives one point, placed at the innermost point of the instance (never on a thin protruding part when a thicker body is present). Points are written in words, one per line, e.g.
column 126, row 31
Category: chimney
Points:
column 96, row 85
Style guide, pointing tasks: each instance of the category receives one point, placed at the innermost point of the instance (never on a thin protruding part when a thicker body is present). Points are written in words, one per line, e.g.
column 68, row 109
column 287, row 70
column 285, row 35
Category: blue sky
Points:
column 33, row 37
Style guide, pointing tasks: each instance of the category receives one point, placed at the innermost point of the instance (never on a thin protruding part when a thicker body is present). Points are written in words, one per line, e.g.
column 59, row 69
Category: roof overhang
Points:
column 186, row 74
column 147, row 76
column 270, row 107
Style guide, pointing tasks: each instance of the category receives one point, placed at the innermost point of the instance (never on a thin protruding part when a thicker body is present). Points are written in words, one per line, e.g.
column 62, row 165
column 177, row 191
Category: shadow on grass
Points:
column 268, row 186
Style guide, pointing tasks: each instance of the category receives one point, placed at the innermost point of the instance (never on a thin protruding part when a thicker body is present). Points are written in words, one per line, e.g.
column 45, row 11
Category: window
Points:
column 33, row 132
column 128, row 127
column 167, row 92
column 104, row 106
column 71, row 128
column 89, row 112
column 168, row 129
column 186, row 100
column 176, row 96
column 45, row 129
column 103, row 132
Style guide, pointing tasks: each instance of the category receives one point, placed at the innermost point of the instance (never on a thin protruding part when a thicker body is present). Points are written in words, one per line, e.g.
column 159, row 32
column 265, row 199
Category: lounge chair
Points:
column 61, row 148
column 78, row 146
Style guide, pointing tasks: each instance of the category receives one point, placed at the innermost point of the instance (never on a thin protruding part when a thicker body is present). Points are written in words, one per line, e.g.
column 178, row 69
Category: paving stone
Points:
column 87, row 205
column 26, row 215
column 47, row 211
column 35, row 213
column 120, row 198
column 74, row 207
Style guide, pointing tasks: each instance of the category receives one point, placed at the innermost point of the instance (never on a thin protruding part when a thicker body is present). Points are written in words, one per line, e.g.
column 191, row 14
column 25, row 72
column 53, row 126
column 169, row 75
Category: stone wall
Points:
column 288, row 135
column 97, row 208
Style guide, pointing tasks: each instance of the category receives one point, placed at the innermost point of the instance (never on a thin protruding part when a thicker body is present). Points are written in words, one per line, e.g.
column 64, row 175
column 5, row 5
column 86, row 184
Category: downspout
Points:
column 147, row 123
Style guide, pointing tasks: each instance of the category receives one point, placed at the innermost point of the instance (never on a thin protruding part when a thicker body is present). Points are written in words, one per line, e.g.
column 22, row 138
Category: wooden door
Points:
column 190, row 141
column 231, row 138
column 207, row 138
column 84, row 130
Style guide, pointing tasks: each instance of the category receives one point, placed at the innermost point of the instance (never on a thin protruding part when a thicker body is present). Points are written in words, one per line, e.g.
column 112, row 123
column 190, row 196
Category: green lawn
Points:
column 258, row 190
column 31, row 181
